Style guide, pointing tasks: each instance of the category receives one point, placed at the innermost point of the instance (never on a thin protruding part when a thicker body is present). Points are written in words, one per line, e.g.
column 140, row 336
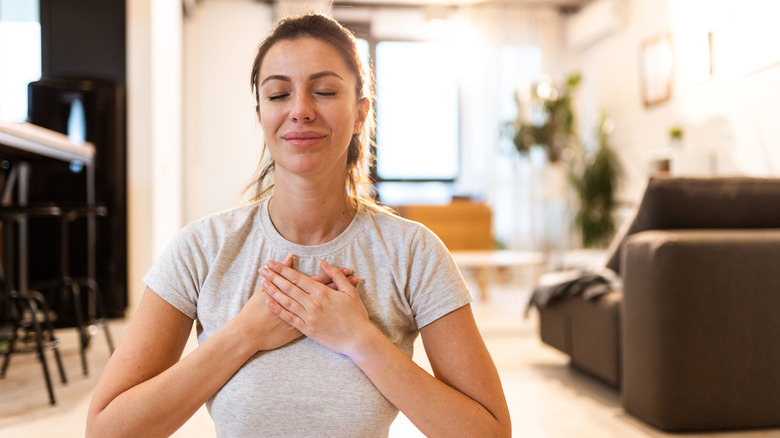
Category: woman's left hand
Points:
column 335, row 318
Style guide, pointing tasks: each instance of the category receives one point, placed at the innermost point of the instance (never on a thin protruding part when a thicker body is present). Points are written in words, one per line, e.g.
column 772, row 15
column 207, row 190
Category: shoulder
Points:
column 224, row 223
column 413, row 235
column 389, row 220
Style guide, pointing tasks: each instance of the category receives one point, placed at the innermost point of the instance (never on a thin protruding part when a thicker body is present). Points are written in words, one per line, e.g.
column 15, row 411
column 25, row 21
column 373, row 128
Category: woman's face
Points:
column 308, row 108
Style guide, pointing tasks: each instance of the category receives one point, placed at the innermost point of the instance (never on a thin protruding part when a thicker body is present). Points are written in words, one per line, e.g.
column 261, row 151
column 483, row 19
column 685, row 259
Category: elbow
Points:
column 503, row 429
column 99, row 425
column 92, row 430
column 94, row 426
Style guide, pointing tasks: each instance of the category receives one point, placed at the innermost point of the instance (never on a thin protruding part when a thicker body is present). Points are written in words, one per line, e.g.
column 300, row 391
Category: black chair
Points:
column 25, row 311
column 74, row 286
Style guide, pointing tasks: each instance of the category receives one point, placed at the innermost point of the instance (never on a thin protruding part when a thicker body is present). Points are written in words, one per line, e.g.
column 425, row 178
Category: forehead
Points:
column 303, row 56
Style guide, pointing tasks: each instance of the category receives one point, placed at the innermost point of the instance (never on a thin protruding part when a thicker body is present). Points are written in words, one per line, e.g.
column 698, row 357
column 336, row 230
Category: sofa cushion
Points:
column 700, row 329
column 588, row 330
column 687, row 203
column 595, row 336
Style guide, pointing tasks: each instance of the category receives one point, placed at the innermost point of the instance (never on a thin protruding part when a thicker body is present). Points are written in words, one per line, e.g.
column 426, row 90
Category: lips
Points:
column 303, row 138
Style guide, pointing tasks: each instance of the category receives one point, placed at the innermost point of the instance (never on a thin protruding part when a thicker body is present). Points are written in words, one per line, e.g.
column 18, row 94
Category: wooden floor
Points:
column 546, row 397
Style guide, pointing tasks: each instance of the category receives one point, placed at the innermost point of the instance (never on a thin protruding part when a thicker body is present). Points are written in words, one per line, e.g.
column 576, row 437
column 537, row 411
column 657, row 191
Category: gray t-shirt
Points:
column 210, row 269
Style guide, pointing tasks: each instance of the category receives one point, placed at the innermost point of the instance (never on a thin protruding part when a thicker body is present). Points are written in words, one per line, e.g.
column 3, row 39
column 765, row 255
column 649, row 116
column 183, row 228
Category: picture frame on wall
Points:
column 656, row 69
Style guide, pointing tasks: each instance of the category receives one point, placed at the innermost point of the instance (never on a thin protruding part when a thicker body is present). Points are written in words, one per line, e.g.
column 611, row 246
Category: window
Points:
column 20, row 50
column 417, row 112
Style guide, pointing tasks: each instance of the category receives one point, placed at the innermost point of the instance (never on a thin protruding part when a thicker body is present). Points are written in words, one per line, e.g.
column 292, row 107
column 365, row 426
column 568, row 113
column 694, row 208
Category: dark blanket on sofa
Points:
column 589, row 285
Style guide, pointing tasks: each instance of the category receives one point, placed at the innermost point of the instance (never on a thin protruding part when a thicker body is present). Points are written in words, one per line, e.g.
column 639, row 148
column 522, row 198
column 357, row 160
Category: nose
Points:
column 302, row 109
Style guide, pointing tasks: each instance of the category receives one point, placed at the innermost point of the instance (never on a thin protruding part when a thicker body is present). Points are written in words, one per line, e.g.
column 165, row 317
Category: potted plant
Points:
column 595, row 189
column 555, row 129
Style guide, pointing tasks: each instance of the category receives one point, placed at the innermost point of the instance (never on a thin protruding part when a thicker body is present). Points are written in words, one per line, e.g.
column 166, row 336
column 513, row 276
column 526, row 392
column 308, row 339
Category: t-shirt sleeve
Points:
column 177, row 275
column 436, row 284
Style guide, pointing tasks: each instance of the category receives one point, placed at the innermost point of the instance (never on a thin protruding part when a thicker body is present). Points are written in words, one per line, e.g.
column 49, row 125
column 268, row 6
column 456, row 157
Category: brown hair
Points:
column 316, row 25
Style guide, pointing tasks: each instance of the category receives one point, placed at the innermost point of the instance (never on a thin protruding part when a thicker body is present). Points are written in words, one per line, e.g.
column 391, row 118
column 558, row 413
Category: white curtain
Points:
column 506, row 48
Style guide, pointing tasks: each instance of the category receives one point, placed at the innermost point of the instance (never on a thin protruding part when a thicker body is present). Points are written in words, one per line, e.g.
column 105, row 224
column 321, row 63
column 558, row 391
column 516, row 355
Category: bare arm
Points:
column 147, row 391
column 465, row 398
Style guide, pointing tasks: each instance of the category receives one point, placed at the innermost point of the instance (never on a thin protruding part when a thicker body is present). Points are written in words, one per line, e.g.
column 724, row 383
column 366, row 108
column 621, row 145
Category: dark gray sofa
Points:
column 692, row 339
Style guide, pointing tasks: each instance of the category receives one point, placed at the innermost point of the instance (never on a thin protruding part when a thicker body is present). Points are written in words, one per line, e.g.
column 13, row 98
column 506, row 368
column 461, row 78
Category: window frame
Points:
column 363, row 31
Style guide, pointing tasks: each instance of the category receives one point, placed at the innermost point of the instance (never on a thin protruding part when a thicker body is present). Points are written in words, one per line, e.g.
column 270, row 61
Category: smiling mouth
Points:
column 303, row 138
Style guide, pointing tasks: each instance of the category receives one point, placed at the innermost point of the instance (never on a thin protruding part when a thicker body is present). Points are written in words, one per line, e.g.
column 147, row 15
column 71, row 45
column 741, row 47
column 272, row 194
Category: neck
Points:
column 310, row 217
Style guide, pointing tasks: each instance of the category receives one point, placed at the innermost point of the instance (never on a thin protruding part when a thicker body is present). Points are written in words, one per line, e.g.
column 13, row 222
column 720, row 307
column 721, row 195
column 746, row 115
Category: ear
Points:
column 259, row 118
column 363, row 106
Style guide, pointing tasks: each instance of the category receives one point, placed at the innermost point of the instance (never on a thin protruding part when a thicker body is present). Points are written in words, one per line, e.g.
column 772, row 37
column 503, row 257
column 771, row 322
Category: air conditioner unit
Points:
column 594, row 22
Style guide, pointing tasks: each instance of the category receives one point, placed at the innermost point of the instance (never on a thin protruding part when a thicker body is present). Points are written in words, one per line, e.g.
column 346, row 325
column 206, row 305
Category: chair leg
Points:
column 97, row 310
column 39, row 346
column 53, row 341
column 80, row 326
column 109, row 340
column 9, row 352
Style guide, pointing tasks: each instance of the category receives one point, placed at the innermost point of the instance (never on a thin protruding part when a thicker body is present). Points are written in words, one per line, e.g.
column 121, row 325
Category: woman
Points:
column 301, row 347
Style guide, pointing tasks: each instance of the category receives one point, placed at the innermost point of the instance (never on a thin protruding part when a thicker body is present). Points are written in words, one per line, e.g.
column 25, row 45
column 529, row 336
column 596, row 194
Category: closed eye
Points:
column 277, row 97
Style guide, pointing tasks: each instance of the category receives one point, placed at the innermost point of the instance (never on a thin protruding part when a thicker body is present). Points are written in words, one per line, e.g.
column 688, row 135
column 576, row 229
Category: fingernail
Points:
column 265, row 272
column 265, row 284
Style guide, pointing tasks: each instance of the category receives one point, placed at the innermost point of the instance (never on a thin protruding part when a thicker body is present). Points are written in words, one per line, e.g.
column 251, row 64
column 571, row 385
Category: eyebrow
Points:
column 311, row 78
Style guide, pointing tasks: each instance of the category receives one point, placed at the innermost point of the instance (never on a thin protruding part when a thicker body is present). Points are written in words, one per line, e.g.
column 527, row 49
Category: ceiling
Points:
column 563, row 4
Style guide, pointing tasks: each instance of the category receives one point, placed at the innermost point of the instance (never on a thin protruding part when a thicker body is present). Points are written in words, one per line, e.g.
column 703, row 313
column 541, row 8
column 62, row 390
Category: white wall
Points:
column 193, row 139
column 728, row 118
column 222, row 136
column 193, row 136
column 154, row 133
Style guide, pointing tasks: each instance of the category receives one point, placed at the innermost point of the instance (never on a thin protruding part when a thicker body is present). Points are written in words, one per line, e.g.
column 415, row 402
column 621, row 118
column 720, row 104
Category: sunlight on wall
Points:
column 724, row 38
column 726, row 56
column 724, row 89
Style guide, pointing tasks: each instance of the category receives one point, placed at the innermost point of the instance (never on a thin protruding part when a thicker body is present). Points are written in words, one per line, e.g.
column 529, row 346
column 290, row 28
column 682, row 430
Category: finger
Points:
column 354, row 279
column 287, row 261
column 339, row 279
column 285, row 315
column 291, row 282
column 274, row 282
column 289, row 275
column 282, row 298
column 324, row 279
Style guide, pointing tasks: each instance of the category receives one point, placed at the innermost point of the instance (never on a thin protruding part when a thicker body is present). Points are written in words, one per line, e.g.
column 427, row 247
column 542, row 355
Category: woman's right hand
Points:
column 264, row 329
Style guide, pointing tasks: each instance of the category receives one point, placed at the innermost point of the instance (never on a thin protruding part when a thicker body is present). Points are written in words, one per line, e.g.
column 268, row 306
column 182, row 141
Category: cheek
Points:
column 348, row 118
column 269, row 119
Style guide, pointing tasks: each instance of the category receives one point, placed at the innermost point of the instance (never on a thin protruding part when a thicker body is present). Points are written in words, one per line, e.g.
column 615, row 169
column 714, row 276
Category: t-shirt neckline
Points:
column 308, row 250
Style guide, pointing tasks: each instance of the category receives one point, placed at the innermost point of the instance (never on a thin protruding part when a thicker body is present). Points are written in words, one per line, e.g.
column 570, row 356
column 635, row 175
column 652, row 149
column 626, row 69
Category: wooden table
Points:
column 485, row 262
column 23, row 144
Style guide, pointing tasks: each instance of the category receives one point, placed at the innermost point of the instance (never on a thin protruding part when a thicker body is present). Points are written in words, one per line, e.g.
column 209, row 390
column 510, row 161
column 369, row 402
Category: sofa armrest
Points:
column 701, row 323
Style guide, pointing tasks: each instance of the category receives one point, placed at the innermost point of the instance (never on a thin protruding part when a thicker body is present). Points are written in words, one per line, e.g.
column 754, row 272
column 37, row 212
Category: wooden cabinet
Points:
column 461, row 225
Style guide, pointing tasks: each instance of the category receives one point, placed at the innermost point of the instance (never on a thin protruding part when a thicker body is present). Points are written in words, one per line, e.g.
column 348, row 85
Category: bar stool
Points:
column 95, row 315
column 25, row 311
